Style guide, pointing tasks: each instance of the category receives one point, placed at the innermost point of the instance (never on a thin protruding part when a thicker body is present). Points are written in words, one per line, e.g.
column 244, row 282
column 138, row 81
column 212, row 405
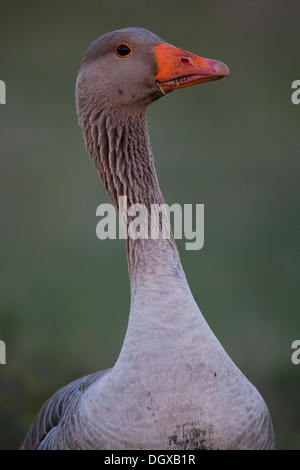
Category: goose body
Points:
column 173, row 385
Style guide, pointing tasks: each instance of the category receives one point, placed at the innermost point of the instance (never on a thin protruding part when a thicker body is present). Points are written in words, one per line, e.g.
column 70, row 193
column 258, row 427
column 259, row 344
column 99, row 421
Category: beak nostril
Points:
column 185, row 60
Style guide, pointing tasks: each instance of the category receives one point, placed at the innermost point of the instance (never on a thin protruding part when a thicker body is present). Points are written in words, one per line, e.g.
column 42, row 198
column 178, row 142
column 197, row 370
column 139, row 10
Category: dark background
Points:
column 231, row 145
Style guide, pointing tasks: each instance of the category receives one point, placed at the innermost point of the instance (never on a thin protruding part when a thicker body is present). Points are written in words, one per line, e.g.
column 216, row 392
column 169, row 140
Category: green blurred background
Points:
column 231, row 145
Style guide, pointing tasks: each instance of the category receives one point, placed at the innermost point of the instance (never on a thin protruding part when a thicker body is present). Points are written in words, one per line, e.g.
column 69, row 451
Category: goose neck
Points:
column 118, row 142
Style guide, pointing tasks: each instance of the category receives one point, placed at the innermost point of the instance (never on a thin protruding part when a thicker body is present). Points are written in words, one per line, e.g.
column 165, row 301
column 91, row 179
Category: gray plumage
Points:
column 173, row 385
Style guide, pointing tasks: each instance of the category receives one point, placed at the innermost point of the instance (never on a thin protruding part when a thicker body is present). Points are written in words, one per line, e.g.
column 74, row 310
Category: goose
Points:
column 173, row 385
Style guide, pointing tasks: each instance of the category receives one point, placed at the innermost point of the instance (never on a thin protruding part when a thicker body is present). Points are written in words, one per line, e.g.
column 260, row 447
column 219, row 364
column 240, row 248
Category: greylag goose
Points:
column 173, row 385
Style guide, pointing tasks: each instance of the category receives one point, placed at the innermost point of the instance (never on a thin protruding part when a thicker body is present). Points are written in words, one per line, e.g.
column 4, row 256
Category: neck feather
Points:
column 118, row 142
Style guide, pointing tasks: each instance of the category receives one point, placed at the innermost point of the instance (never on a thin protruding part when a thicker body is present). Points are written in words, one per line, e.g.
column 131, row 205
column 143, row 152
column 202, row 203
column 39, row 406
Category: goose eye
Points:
column 123, row 50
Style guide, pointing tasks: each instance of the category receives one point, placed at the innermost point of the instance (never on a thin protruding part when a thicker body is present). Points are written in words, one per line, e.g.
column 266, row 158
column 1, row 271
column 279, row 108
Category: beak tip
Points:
column 222, row 69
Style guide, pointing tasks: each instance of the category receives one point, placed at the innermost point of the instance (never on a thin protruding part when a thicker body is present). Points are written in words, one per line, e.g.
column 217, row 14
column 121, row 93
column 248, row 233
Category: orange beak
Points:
column 177, row 68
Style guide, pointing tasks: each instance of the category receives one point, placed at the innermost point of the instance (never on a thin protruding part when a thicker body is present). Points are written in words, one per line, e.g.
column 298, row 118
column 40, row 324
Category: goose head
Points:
column 134, row 67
